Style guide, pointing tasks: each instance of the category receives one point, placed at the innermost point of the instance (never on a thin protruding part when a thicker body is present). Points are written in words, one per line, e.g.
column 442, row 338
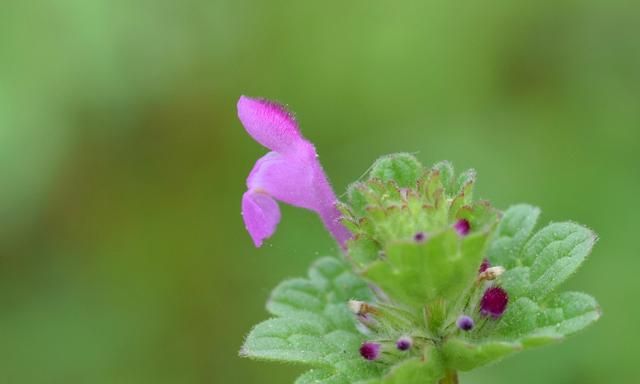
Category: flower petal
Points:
column 261, row 215
column 285, row 178
column 299, row 181
column 270, row 124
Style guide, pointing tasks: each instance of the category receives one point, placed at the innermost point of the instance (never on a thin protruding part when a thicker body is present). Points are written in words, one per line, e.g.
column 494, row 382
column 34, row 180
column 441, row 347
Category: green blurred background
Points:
column 123, row 257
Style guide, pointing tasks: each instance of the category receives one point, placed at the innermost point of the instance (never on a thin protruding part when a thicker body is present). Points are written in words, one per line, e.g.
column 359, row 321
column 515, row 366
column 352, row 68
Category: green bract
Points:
column 412, row 269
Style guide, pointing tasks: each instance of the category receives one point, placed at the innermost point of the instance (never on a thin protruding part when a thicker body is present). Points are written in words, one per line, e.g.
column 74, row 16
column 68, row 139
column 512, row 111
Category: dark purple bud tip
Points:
column 370, row 351
column 494, row 302
column 465, row 323
column 404, row 343
column 485, row 264
column 420, row 237
column 462, row 226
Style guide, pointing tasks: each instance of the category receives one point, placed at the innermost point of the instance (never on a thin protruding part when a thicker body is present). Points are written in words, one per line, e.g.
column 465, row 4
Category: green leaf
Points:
column 554, row 253
column 414, row 371
column 447, row 176
column 287, row 339
column 402, row 168
column 442, row 267
column 314, row 376
column 357, row 198
column 363, row 251
column 346, row 372
column 513, row 231
column 324, row 376
column 465, row 355
column 548, row 259
column 555, row 318
column 314, row 326
column 526, row 324
column 465, row 183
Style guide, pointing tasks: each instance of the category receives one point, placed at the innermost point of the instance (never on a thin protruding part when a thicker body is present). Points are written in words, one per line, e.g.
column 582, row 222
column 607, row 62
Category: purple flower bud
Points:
column 462, row 226
column 370, row 351
column 494, row 302
column 465, row 323
column 404, row 343
column 419, row 237
column 485, row 264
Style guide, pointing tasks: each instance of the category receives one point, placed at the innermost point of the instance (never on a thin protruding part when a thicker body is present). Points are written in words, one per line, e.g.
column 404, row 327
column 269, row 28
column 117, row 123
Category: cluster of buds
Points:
column 493, row 301
column 372, row 350
column 404, row 203
column 383, row 319
column 485, row 302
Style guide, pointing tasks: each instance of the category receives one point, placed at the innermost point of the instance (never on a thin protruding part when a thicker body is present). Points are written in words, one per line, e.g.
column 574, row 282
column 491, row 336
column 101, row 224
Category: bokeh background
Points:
column 123, row 257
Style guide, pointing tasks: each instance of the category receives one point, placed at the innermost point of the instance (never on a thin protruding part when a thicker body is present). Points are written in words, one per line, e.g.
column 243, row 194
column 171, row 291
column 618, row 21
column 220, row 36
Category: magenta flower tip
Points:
column 420, row 237
column 370, row 351
column 462, row 226
column 484, row 265
column 494, row 302
column 404, row 343
column 465, row 323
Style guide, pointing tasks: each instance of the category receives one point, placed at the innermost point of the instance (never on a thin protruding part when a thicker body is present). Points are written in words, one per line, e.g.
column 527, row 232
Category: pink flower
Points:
column 290, row 173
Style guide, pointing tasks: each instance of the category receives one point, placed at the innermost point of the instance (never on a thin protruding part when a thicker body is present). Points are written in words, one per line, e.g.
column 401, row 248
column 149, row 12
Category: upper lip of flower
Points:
column 290, row 173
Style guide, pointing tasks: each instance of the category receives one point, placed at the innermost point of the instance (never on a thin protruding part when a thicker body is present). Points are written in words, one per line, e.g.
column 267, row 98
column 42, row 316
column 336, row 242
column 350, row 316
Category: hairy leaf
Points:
column 554, row 253
column 314, row 326
column 465, row 355
column 547, row 260
column 555, row 318
column 427, row 370
column 513, row 231
column 417, row 274
column 402, row 168
column 525, row 324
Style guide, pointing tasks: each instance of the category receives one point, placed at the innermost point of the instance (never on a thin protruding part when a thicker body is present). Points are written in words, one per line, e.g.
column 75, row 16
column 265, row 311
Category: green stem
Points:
column 450, row 378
